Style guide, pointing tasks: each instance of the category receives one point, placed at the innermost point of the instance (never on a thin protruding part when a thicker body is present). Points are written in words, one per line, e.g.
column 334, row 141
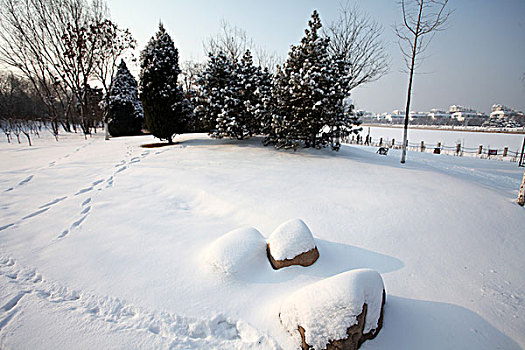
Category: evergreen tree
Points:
column 215, row 91
column 232, row 96
column 125, row 111
column 254, row 91
column 308, row 93
column 165, row 107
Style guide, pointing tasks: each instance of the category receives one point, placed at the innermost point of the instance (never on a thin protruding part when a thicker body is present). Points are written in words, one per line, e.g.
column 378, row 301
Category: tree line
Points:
column 70, row 62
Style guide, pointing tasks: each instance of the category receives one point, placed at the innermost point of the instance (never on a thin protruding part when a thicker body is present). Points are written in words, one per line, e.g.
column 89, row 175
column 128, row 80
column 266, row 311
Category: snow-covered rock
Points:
column 346, row 308
column 292, row 243
column 239, row 249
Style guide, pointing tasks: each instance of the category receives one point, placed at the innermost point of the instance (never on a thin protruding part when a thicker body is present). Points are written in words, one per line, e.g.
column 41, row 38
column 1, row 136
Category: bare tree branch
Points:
column 356, row 37
column 234, row 42
column 420, row 18
column 60, row 46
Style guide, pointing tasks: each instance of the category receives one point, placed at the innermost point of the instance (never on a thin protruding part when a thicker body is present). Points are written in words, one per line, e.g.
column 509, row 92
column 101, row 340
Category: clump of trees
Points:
column 232, row 94
column 21, row 111
column 302, row 104
column 309, row 93
column 62, row 47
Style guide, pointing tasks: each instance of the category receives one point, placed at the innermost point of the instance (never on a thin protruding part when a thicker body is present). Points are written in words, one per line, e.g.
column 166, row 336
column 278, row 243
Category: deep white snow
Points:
column 326, row 309
column 290, row 239
column 102, row 243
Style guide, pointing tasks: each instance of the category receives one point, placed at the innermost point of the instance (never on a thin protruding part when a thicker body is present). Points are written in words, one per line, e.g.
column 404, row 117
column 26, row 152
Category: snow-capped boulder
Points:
column 242, row 248
column 292, row 243
column 339, row 312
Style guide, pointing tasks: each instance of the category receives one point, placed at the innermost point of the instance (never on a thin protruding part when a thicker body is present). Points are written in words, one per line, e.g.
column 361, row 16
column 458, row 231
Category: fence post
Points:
column 480, row 150
column 393, row 142
column 422, row 146
column 505, row 150
column 458, row 148
column 522, row 156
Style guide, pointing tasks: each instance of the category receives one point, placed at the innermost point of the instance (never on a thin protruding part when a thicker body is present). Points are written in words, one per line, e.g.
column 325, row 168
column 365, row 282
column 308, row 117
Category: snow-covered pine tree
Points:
column 254, row 91
column 165, row 108
column 125, row 112
column 247, row 80
column 263, row 106
column 232, row 96
column 308, row 94
column 215, row 85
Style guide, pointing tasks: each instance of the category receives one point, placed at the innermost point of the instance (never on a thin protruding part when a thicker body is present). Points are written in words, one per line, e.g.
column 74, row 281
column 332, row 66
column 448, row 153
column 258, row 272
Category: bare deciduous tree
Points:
column 234, row 42
column 266, row 59
column 355, row 36
column 421, row 20
column 59, row 45
column 20, row 109
column 190, row 71
column 24, row 42
column 231, row 40
column 115, row 44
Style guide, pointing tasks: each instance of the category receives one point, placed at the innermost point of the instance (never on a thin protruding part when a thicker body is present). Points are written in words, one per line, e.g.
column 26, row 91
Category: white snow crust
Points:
column 326, row 309
column 236, row 250
column 290, row 239
column 125, row 227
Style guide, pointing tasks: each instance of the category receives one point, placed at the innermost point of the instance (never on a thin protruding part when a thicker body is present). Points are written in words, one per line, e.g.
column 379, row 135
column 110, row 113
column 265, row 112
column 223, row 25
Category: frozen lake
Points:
column 449, row 137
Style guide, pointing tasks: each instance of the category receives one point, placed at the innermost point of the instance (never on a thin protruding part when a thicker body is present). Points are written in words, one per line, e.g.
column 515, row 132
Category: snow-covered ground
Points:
column 103, row 243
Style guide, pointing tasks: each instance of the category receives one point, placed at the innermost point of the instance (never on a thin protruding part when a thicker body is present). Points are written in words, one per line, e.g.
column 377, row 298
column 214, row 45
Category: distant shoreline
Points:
column 450, row 128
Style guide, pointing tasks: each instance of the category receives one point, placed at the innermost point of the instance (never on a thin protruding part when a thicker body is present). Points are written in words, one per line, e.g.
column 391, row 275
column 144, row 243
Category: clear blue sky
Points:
column 479, row 60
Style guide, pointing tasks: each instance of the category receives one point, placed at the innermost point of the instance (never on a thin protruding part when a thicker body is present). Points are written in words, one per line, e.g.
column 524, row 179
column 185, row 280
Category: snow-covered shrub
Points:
column 125, row 112
column 328, row 308
column 237, row 250
column 166, row 109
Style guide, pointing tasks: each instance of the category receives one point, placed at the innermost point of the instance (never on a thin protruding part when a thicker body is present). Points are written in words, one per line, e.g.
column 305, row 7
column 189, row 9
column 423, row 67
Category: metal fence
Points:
column 504, row 154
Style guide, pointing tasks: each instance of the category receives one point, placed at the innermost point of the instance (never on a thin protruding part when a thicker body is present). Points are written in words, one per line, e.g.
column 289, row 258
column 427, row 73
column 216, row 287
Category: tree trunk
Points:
column 28, row 138
column 521, row 196
column 407, row 108
column 106, row 131
column 410, row 80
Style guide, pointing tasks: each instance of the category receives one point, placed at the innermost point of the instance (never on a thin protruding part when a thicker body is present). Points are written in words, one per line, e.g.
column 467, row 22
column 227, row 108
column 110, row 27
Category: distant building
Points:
column 396, row 117
column 462, row 114
column 436, row 114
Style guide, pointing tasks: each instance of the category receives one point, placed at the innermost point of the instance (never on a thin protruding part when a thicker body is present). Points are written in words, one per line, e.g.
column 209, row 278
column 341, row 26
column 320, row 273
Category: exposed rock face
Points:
column 303, row 259
column 336, row 313
column 355, row 338
column 292, row 243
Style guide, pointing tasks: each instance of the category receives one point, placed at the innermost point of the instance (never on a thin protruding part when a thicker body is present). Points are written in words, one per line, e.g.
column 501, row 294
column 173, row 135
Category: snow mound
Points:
column 242, row 248
column 326, row 309
column 290, row 239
